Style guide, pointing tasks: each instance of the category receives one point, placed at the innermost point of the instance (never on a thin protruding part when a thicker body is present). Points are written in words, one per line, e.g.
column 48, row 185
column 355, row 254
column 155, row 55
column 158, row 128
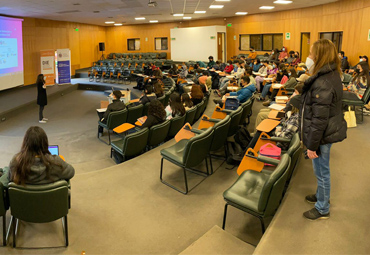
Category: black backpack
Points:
column 236, row 150
column 242, row 137
column 215, row 81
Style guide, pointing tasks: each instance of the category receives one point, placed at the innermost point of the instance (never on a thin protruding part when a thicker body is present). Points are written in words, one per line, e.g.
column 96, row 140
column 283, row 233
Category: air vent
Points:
column 65, row 12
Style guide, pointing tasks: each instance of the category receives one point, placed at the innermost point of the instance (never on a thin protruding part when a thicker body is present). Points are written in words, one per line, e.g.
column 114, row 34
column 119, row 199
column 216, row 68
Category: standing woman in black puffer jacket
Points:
column 321, row 121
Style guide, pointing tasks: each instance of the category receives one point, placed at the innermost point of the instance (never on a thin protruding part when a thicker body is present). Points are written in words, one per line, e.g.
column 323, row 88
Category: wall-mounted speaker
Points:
column 101, row 46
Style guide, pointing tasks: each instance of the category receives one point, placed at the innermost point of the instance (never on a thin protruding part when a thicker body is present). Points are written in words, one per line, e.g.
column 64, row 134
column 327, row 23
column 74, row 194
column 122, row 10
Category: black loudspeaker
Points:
column 101, row 46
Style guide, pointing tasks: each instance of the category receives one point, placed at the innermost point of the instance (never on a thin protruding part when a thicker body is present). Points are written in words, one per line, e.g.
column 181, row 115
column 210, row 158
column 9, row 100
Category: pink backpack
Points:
column 270, row 150
column 284, row 80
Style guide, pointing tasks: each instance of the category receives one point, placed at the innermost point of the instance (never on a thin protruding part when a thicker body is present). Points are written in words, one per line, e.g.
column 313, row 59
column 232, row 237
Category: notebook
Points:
column 54, row 149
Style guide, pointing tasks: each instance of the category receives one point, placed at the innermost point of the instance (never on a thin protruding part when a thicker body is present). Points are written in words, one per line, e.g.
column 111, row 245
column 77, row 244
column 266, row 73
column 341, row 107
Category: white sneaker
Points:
column 45, row 119
column 42, row 121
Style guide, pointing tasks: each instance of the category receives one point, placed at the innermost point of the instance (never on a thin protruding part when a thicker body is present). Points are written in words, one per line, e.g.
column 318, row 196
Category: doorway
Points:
column 221, row 47
column 305, row 45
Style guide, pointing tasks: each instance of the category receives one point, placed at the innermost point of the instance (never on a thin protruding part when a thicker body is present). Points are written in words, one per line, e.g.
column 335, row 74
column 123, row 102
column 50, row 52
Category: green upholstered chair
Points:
column 187, row 154
column 145, row 109
column 167, row 96
column 235, row 117
column 359, row 102
column 158, row 134
column 258, row 193
column 114, row 120
column 39, row 204
column 246, row 108
column 346, row 78
column 132, row 144
column 176, row 124
column 134, row 113
column 190, row 115
column 162, row 99
column 200, row 108
column 4, row 206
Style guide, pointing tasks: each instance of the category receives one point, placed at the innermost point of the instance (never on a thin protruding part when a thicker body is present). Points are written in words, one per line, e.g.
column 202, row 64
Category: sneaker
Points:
column 42, row 121
column 314, row 214
column 267, row 103
column 311, row 199
column 45, row 119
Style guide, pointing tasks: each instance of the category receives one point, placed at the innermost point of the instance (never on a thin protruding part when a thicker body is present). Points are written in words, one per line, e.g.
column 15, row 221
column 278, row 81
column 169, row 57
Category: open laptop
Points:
column 54, row 149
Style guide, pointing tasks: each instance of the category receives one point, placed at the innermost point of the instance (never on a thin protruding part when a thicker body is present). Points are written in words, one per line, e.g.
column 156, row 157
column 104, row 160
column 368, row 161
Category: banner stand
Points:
column 63, row 66
column 47, row 58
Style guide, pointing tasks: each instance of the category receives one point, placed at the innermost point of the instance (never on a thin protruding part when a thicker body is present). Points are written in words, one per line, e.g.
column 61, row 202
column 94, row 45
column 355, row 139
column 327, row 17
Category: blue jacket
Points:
column 245, row 93
column 256, row 67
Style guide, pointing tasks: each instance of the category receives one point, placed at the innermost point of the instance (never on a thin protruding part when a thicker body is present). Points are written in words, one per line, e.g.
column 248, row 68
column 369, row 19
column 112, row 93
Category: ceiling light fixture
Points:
column 186, row 17
column 140, row 18
column 118, row 24
column 215, row 6
column 109, row 22
column 241, row 13
column 178, row 14
column 267, row 7
column 199, row 12
column 283, row 2
column 153, row 21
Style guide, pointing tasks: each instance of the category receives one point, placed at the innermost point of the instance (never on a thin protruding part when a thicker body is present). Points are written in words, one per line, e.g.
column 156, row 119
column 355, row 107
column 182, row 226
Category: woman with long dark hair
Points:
column 359, row 83
column 34, row 164
column 175, row 107
column 186, row 101
column 321, row 121
column 42, row 99
column 196, row 94
column 156, row 114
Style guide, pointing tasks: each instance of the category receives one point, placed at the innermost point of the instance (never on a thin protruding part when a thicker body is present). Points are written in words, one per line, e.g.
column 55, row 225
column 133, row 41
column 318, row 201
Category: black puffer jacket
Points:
column 321, row 115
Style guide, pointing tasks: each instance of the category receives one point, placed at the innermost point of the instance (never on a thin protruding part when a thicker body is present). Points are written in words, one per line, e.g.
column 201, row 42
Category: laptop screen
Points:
column 54, row 149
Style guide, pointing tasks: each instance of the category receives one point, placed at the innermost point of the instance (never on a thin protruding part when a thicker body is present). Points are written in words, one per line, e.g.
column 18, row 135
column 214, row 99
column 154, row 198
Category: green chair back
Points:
column 134, row 113
column 235, row 117
column 246, row 108
column 347, row 78
column 39, row 203
column 167, row 97
column 220, row 133
column 3, row 200
column 190, row 115
column 273, row 188
column 176, row 124
column 158, row 133
column 116, row 118
column 366, row 95
column 199, row 111
column 294, row 152
column 135, row 143
column 197, row 148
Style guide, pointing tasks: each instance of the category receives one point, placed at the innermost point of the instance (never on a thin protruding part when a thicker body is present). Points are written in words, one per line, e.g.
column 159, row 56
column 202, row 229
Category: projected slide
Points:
column 11, row 53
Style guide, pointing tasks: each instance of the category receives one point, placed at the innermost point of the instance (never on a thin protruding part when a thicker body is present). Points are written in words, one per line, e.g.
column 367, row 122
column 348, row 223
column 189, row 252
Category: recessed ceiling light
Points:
column 241, row 13
column 215, row 6
column 267, row 7
column 283, row 2
column 186, row 17
column 118, row 24
column 140, row 18
column 109, row 22
column 153, row 21
column 178, row 14
column 200, row 12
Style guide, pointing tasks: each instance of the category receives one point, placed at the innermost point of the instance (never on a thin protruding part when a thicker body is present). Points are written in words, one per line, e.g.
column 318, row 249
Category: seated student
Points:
column 211, row 62
column 174, row 107
column 217, row 66
column 243, row 95
column 291, row 57
column 203, row 79
column 248, row 73
column 186, row 101
column 297, row 59
column 253, row 54
column 292, row 81
column 148, row 95
column 242, row 58
column 196, row 94
column 116, row 105
column 264, row 113
column 359, row 83
column 174, row 70
column 274, row 56
column 158, row 89
column 344, row 65
column 256, row 65
column 201, row 64
column 283, row 56
column 229, row 67
column 276, row 79
column 224, row 82
column 360, row 59
column 261, row 74
column 34, row 164
column 156, row 114
column 240, row 71
column 184, row 71
column 287, row 127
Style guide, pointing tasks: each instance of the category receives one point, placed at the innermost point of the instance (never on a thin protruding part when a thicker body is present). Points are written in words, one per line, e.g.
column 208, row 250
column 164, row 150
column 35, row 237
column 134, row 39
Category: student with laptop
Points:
column 34, row 164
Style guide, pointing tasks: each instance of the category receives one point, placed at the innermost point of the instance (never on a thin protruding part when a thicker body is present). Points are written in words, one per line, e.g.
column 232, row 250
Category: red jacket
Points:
column 229, row 69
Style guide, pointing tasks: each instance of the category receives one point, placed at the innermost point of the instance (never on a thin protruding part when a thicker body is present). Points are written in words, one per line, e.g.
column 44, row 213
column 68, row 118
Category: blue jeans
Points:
column 265, row 90
column 321, row 169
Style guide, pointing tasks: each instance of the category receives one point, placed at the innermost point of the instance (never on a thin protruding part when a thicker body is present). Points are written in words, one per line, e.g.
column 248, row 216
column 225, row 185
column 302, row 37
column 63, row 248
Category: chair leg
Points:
column 207, row 166
column 66, row 230
column 171, row 186
column 14, row 232
column 109, row 136
column 186, row 180
column 4, row 230
column 225, row 213
column 210, row 162
column 262, row 225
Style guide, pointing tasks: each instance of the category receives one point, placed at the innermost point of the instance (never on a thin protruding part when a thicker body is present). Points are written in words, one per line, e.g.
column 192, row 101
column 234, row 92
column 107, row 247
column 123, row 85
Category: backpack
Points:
column 231, row 103
column 215, row 81
column 235, row 153
column 242, row 137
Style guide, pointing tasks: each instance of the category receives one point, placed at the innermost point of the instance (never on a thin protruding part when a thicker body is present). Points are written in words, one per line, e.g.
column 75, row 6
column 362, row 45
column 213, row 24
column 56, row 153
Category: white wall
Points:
column 194, row 43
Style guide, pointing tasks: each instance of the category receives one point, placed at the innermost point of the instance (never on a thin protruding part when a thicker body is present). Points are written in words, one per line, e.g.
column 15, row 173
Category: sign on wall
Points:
column 64, row 66
column 47, row 58
column 368, row 35
column 287, row 36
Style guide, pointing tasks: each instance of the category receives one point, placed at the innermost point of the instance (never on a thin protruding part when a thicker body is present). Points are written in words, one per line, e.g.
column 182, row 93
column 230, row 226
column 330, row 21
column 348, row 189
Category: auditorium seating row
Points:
column 138, row 55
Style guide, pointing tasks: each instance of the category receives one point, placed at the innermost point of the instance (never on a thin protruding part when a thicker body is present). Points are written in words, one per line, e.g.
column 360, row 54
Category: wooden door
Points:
column 305, row 46
column 220, row 47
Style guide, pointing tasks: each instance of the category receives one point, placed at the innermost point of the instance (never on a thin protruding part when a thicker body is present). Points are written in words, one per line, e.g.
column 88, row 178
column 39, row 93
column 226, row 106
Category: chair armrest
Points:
column 278, row 139
column 214, row 120
column 196, row 131
column 268, row 160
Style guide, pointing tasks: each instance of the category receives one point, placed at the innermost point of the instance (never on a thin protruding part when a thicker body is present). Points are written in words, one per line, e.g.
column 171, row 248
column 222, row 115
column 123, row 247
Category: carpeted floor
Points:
column 125, row 209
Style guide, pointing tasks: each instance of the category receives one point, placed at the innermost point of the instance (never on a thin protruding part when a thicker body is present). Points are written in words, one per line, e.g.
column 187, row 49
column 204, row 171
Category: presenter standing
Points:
column 42, row 99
